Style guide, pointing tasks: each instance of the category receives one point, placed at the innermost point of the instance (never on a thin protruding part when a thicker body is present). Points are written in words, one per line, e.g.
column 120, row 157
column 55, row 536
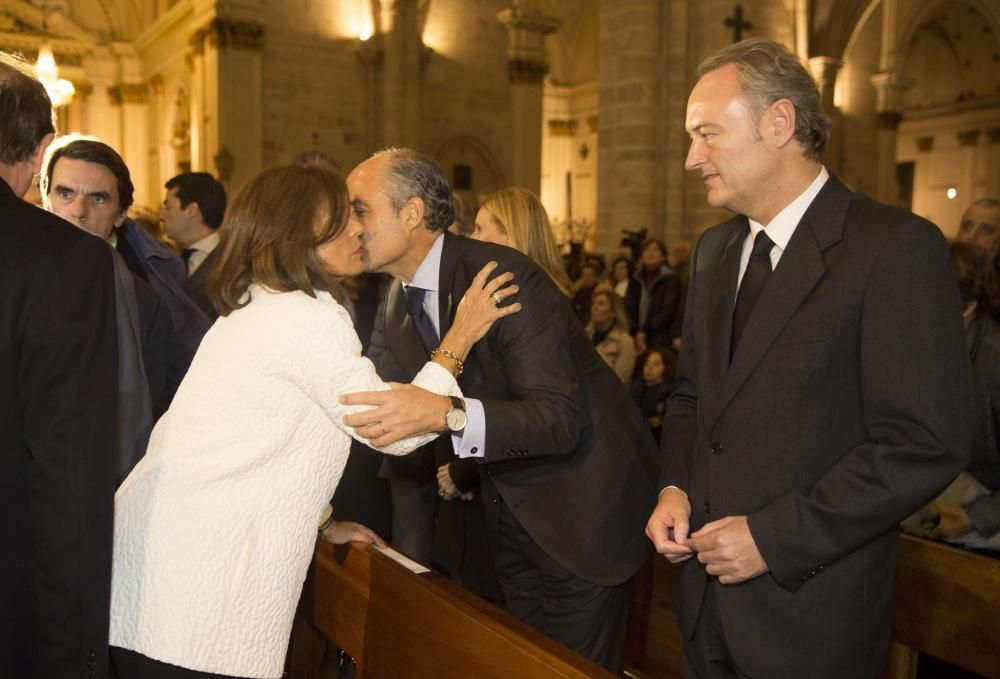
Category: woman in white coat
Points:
column 215, row 526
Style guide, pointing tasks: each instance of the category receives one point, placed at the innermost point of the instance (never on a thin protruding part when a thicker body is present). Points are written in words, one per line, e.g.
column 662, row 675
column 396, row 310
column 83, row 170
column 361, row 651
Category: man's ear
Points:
column 412, row 214
column 121, row 218
column 39, row 155
column 781, row 122
column 193, row 212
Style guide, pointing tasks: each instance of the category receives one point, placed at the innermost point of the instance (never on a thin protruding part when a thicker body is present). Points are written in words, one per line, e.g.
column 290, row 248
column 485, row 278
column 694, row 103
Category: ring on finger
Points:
column 496, row 298
column 382, row 427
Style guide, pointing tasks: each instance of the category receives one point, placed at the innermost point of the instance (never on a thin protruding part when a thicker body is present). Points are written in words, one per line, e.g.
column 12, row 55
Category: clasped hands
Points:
column 725, row 547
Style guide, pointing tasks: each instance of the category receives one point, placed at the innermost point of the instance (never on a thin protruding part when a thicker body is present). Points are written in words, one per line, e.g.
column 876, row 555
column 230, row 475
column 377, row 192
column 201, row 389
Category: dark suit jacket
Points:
column 844, row 409
column 154, row 323
column 58, row 399
column 565, row 446
column 197, row 284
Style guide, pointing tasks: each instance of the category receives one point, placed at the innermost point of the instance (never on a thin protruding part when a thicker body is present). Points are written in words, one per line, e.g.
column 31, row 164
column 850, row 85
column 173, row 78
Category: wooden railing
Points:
column 947, row 605
column 398, row 623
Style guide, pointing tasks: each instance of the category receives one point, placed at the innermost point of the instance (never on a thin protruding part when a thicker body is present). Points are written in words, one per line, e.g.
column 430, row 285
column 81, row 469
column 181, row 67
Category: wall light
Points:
column 952, row 193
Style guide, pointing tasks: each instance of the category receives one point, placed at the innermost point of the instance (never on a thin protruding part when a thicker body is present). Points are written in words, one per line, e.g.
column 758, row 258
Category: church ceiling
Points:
column 23, row 27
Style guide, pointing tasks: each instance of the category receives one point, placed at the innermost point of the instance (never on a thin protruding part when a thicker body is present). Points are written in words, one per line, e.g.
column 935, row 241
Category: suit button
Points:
column 717, row 448
column 496, row 500
column 708, row 508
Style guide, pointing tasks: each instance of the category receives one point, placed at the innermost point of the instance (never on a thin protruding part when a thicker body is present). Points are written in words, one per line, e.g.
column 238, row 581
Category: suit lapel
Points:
column 799, row 270
column 720, row 313
column 197, row 279
column 401, row 335
column 446, row 278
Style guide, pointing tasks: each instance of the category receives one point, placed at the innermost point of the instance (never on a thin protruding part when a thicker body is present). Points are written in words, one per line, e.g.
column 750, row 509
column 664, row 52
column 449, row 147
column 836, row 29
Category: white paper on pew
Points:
column 403, row 560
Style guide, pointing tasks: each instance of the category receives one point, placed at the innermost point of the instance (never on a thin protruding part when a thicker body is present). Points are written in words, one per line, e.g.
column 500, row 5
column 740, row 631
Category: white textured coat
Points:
column 215, row 527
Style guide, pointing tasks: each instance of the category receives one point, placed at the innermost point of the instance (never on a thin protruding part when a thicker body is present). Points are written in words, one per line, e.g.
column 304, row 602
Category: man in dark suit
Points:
column 104, row 213
column 81, row 188
column 566, row 461
column 58, row 357
column 822, row 389
column 192, row 213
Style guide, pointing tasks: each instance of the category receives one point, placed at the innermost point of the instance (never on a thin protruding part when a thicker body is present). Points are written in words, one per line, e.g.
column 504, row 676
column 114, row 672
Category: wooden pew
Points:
column 396, row 623
column 947, row 605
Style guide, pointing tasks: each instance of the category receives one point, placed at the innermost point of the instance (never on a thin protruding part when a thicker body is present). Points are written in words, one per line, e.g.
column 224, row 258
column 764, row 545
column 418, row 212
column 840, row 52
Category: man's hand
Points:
column 672, row 514
column 728, row 550
column 446, row 487
column 399, row 413
column 340, row 532
column 954, row 522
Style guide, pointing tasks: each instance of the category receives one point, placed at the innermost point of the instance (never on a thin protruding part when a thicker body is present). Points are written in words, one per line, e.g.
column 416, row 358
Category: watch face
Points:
column 456, row 419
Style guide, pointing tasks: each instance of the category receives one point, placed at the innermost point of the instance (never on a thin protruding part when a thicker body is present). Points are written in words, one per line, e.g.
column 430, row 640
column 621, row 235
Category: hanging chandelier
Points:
column 60, row 90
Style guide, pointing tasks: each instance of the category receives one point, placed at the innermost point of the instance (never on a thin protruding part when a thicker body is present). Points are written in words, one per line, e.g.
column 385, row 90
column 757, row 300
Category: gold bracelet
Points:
column 459, row 363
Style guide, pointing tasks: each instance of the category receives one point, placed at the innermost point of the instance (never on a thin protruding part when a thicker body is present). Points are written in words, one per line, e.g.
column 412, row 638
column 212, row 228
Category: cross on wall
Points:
column 738, row 23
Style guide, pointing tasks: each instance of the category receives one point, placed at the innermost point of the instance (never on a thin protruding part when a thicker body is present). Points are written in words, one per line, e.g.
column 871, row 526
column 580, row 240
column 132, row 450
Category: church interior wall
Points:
column 465, row 93
column 855, row 99
column 612, row 112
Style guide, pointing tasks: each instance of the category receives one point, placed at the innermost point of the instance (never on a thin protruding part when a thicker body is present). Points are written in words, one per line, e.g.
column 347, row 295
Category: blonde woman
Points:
column 608, row 330
column 515, row 217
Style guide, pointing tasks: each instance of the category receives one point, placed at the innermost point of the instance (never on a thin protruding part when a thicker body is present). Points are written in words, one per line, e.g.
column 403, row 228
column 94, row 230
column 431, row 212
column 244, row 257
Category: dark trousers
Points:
column 706, row 654
column 126, row 664
column 413, row 505
column 588, row 618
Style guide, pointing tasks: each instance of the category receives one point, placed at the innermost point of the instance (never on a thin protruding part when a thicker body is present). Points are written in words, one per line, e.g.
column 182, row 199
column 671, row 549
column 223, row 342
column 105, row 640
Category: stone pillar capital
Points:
column 825, row 69
column 889, row 89
column 229, row 33
column 526, row 29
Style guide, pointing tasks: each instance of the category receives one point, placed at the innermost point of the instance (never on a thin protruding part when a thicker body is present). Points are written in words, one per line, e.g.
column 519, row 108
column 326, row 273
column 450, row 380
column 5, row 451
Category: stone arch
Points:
column 466, row 156
column 948, row 49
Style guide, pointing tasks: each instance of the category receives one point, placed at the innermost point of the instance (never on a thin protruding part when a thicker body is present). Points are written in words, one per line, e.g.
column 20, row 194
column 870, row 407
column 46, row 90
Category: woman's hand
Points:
column 480, row 308
column 954, row 523
column 340, row 532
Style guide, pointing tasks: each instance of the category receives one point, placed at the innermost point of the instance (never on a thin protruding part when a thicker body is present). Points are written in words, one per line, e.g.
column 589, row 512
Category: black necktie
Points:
column 754, row 280
column 421, row 321
column 186, row 257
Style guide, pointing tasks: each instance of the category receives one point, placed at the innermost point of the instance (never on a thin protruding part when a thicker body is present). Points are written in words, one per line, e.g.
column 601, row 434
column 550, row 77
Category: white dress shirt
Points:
column 781, row 228
column 200, row 251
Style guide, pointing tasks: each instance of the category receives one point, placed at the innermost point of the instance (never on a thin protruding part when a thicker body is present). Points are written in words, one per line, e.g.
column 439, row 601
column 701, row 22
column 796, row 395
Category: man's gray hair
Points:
column 769, row 72
column 412, row 174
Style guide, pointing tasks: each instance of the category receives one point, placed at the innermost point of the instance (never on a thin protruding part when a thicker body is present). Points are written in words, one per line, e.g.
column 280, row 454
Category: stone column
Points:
column 527, row 65
column 103, row 105
column 401, row 47
column 824, row 70
column 227, row 117
column 631, row 162
column 889, row 110
column 889, row 88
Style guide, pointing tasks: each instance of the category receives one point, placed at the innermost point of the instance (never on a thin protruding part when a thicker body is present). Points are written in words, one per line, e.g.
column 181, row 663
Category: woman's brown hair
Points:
column 270, row 233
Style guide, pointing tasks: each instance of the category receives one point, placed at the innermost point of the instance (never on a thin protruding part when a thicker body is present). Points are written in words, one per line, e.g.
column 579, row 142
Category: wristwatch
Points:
column 455, row 419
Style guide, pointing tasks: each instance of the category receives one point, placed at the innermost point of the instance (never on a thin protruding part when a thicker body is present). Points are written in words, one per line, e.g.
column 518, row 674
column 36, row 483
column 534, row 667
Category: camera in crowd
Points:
column 633, row 240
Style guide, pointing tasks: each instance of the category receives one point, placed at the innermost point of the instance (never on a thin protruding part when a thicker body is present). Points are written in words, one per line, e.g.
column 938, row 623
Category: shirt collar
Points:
column 428, row 273
column 206, row 244
column 781, row 228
